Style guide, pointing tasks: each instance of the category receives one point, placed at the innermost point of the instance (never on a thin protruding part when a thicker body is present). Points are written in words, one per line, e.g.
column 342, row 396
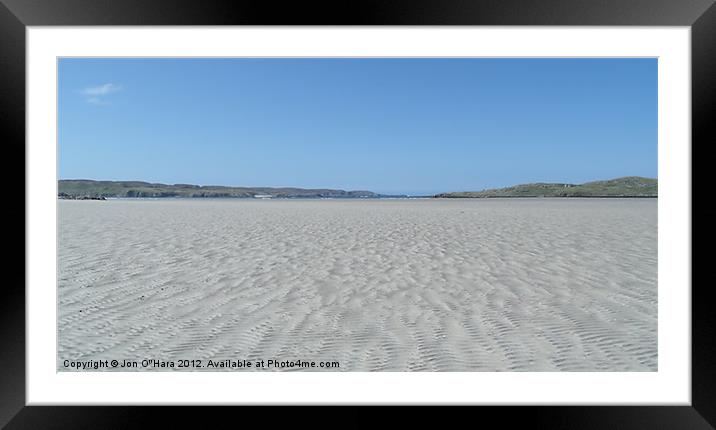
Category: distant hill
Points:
column 630, row 186
column 83, row 188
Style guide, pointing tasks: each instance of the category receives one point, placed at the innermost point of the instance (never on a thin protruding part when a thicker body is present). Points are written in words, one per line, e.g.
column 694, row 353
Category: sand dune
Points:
column 377, row 285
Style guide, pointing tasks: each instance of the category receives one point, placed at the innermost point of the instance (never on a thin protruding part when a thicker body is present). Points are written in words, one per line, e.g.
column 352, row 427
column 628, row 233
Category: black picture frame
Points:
column 16, row 15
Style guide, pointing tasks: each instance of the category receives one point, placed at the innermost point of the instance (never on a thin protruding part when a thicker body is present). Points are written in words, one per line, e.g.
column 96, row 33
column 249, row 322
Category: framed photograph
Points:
column 417, row 205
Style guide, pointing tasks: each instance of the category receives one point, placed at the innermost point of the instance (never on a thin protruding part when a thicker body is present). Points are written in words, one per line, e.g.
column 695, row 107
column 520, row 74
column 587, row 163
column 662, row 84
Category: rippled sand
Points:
column 377, row 285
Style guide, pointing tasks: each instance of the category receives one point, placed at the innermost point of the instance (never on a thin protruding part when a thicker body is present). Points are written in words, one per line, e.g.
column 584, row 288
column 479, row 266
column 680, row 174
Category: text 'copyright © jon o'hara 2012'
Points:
column 198, row 364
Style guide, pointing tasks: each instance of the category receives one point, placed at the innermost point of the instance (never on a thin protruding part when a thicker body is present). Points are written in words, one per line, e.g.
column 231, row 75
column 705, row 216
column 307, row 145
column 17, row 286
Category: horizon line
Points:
column 347, row 189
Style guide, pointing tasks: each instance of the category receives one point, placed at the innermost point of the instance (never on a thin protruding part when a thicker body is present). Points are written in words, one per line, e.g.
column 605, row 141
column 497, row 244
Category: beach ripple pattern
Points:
column 377, row 285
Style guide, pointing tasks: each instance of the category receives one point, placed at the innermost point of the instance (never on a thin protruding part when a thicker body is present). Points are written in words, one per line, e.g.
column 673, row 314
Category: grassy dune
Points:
column 89, row 188
column 630, row 186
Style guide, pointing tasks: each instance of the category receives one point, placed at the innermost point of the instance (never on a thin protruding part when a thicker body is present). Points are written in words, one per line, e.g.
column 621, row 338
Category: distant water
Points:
column 271, row 198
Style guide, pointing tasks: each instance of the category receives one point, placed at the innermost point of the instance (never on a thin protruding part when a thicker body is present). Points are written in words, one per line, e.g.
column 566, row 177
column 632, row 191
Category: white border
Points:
column 670, row 385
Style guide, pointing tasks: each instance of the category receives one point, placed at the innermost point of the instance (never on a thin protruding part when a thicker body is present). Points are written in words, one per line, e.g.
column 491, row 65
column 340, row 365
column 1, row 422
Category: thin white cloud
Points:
column 95, row 95
column 95, row 101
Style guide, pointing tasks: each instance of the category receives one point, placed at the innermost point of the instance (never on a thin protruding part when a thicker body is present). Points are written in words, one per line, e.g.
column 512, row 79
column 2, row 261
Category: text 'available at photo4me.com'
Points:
column 150, row 363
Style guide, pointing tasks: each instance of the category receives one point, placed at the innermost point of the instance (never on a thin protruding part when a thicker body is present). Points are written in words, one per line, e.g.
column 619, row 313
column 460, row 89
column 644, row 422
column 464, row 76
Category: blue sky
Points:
column 386, row 125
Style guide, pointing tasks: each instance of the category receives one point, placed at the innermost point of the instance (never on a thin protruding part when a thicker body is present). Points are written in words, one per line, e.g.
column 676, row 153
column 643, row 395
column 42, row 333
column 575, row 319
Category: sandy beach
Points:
column 376, row 285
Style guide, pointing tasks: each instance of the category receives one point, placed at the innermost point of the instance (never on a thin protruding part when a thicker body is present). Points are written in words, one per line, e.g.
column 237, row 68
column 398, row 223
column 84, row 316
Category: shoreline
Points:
column 358, row 198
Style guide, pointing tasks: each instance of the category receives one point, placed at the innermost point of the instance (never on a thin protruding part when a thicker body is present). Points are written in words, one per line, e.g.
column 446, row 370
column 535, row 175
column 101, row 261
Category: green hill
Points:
column 630, row 186
column 83, row 188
